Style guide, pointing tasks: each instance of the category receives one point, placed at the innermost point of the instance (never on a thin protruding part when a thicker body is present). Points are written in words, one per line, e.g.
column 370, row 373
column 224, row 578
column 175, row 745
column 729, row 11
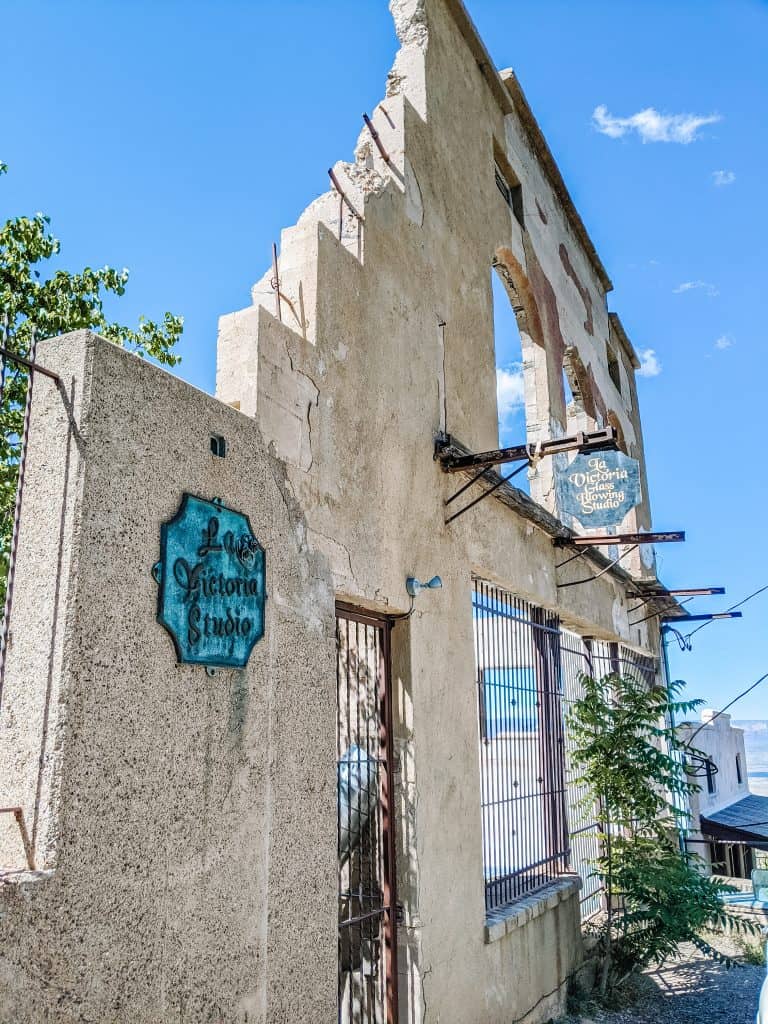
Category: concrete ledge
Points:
column 507, row 919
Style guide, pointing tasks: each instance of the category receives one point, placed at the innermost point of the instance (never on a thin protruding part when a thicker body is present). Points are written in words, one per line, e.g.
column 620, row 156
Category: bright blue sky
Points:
column 177, row 138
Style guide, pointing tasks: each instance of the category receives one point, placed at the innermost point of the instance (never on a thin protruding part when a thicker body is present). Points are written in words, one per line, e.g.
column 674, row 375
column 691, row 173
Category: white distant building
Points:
column 728, row 823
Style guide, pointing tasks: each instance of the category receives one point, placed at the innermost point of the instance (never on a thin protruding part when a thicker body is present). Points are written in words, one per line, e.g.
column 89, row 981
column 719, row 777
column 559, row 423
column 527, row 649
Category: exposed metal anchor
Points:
column 526, row 453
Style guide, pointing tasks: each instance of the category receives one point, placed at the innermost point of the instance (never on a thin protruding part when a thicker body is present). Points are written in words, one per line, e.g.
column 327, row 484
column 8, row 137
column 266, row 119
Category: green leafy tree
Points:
column 633, row 762
column 35, row 304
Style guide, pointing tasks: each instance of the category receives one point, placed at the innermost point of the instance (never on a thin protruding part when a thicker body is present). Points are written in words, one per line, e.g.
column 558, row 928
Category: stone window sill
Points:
column 507, row 919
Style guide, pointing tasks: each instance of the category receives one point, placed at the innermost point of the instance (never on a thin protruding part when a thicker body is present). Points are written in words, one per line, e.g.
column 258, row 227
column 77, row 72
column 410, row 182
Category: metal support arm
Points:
column 598, row 440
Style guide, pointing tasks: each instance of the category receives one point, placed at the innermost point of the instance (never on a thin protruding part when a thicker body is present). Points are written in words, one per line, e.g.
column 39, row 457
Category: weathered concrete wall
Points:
column 186, row 824
column 390, row 342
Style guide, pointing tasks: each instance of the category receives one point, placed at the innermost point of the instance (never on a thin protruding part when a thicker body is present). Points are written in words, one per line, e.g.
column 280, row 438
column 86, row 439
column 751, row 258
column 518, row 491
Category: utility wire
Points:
column 742, row 824
column 723, row 710
column 731, row 609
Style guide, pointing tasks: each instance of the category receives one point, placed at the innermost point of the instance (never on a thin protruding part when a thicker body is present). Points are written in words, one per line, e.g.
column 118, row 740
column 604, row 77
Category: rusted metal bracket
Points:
column 656, row 614
column 18, row 814
column 343, row 201
column 596, row 576
column 660, row 593
column 682, row 592
column 376, row 138
column 13, row 357
column 485, row 494
column 598, row 440
column 527, row 453
column 608, row 539
column 342, row 194
column 275, row 282
column 279, row 295
column 651, row 594
column 701, row 618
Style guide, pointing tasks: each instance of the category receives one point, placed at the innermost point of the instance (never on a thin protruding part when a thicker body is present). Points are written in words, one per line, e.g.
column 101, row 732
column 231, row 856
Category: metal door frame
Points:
column 383, row 624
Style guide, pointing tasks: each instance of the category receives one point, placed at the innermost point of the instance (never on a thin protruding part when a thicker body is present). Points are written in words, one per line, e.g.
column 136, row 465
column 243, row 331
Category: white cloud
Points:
column 649, row 363
column 652, row 126
column 723, row 342
column 723, row 177
column 510, row 390
column 688, row 286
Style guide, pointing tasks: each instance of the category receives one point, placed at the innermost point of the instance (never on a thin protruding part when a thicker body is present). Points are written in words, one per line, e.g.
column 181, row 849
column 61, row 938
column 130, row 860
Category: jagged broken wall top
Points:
column 385, row 329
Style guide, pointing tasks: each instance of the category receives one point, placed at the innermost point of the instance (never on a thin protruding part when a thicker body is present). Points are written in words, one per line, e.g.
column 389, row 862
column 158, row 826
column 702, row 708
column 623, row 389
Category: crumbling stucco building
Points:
column 374, row 818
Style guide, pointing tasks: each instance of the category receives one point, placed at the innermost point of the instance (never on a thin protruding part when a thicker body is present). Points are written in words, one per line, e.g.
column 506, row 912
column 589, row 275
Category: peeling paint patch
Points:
column 586, row 298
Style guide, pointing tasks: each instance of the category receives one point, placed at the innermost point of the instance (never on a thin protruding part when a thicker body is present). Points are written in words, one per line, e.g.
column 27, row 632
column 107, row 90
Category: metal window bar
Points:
column 522, row 745
column 366, row 840
column 617, row 659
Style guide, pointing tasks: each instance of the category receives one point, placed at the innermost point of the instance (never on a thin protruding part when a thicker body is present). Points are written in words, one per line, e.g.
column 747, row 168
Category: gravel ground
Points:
column 690, row 990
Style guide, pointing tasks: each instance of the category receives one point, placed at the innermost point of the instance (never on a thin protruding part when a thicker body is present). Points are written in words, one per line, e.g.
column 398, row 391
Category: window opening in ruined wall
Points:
column 512, row 194
column 510, row 374
column 711, row 771
column 577, row 393
column 614, row 370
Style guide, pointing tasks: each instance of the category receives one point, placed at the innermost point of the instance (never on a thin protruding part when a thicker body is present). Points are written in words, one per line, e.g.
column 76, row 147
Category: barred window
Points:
column 537, row 818
column 522, row 745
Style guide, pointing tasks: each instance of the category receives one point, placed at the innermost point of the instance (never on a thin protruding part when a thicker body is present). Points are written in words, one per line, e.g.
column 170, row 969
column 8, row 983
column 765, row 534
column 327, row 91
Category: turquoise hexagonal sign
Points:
column 599, row 488
column 212, row 584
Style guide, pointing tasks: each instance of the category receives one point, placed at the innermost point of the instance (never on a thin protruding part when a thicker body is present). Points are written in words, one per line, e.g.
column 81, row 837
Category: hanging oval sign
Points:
column 599, row 488
column 212, row 584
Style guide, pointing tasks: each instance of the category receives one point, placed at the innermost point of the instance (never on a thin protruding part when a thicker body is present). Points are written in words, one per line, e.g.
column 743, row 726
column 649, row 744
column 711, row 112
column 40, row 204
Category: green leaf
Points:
column 64, row 301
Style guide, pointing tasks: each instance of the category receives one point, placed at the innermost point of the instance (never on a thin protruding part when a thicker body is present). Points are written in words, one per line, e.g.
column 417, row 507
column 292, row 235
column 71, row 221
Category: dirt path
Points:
column 691, row 990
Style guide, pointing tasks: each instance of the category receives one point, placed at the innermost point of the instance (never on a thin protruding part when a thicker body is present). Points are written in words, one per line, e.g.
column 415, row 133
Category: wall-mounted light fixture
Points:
column 414, row 586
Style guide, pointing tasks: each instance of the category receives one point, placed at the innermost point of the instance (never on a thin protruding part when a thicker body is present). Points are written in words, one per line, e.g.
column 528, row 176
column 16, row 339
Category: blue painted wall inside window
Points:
column 510, row 700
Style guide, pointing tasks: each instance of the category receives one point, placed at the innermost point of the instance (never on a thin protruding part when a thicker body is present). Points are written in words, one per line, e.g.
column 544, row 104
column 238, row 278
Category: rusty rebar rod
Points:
column 376, row 138
column 18, row 813
column 275, row 282
column 14, row 357
column 344, row 197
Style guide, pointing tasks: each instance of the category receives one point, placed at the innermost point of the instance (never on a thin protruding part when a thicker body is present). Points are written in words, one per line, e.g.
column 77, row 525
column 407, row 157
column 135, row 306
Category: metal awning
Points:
column 743, row 822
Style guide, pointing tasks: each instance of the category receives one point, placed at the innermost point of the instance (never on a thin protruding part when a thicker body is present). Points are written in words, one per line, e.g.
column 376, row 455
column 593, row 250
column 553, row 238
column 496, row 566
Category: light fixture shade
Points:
column 413, row 586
